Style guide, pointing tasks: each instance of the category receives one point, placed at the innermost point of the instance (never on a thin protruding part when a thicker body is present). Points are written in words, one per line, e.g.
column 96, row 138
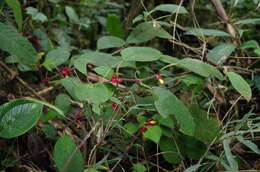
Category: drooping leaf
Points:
column 114, row 26
column 240, row 85
column 206, row 32
column 147, row 31
column 248, row 21
column 16, row 7
column 219, row 53
column 168, row 104
column 206, row 128
column 109, row 42
column 200, row 68
column 141, row 54
column 72, row 14
column 18, row 116
column 36, row 15
column 15, row 44
column 171, row 8
column 55, row 58
column 231, row 160
column 251, row 145
column 169, row 150
column 249, row 44
column 63, row 149
column 154, row 133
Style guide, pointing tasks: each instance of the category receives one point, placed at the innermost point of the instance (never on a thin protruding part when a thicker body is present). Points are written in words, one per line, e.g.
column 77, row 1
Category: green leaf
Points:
column 18, row 116
column 206, row 32
column 154, row 133
column 138, row 167
column 63, row 149
column 231, row 160
column 206, row 128
column 193, row 168
column 249, row 44
column 131, row 128
column 98, row 59
column 240, row 85
column 257, row 51
column 141, row 54
column 168, row 104
column 16, row 7
column 36, row 15
column 168, row 59
column 63, row 102
column 147, row 31
column 219, row 53
column 251, row 145
column 80, row 63
column 104, row 71
column 95, row 93
column 200, row 68
column 248, row 21
column 114, row 26
column 49, row 131
column 171, row 8
column 169, row 150
column 109, row 42
column 257, row 81
column 16, row 45
column 71, row 14
column 55, row 58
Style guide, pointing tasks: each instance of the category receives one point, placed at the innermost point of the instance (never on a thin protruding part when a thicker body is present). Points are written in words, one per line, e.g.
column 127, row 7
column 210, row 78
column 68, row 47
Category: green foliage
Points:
column 240, row 85
column 206, row 32
column 114, row 26
column 18, row 116
column 221, row 52
column 171, row 8
column 109, row 42
column 154, row 133
column 142, row 54
column 16, row 45
column 36, row 15
column 16, row 7
column 63, row 149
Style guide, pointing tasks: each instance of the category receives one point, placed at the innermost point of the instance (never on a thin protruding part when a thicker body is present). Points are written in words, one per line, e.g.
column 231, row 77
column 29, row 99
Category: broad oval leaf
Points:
column 109, row 42
column 147, row 31
column 169, row 150
column 63, row 149
column 171, row 8
column 154, row 133
column 141, row 54
column 240, row 85
column 219, row 53
column 16, row 7
column 18, row 116
column 168, row 104
column 55, row 58
column 206, row 32
column 200, row 68
column 15, row 44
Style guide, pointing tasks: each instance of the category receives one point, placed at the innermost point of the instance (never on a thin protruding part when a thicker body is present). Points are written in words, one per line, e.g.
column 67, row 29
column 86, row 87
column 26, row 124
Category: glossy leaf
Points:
column 16, row 7
column 55, row 58
column 171, row 8
column 63, row 149
column 154, row 133
column 141, row 54
column 240, row 85
column 109, row 42
column 220, row 52
column 206, row 32
column 16, row 45
column 168, row 104
column 200, row 68
column 18, row 116
column 147, row 31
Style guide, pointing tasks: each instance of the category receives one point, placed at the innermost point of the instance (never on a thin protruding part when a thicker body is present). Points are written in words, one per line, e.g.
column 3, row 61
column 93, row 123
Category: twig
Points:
column 13, row 74
column 78, row 147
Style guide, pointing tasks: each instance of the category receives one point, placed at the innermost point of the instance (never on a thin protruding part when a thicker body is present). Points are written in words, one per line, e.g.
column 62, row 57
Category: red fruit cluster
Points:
column 46, row 80
column 115, row 79
column 159, row 78
column 148, row 124
column 66, row 71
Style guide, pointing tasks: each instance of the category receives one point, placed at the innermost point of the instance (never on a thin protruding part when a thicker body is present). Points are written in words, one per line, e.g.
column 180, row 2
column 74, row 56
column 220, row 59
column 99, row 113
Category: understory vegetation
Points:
column 138, row 86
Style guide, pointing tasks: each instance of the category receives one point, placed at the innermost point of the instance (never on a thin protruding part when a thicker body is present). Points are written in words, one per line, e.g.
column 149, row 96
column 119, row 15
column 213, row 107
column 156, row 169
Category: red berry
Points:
column 66, row 71
column 46, row 80
column 143, row 130
column 158, row 77
column 115, row 79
